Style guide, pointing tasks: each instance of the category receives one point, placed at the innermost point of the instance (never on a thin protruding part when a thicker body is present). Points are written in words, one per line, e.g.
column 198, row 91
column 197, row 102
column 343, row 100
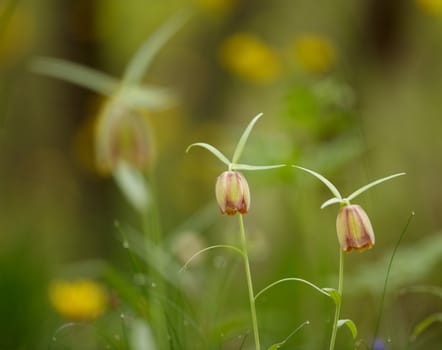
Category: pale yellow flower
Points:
column 250, row 58
column 431, row 7
column 17, row 34
column 79, row 300
column 314, row 53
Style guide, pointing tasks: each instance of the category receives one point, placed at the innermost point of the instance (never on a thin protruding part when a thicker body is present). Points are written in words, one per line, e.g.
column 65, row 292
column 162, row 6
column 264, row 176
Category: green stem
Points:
column 339, row 301
column 249, row 283
column 152, row 231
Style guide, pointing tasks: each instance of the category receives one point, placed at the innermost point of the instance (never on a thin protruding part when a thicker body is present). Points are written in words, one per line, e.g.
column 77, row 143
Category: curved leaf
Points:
column 334, row 294
column 76, row 73
column 143, row 57
column 210, row 248
column 242, row 141
column 326, row 182
column 212, row 149
column 149, row 97
column 331, row 201
column 350, row 325
column 320, row 290
column 371, row 184
column 425, row 323
column 255, row 167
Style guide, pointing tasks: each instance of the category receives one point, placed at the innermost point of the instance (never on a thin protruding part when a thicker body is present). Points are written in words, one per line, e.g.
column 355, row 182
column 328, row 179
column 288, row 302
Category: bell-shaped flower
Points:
column 352, row 224
column 232, row 193
column 232, row 189
column 354, row 228
column 122, row 134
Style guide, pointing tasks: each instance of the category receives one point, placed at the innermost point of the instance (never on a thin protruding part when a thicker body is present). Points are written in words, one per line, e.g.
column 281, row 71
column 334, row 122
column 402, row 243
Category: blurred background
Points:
column 350, row 89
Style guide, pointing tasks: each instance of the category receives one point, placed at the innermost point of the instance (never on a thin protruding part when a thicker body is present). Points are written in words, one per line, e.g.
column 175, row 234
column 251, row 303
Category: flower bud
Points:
column 232, row 193
column 354, row 228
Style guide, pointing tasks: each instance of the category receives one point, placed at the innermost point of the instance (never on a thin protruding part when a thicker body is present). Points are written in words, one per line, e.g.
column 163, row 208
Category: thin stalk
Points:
column 249, row 283
column 387, row 275
column 339, row 301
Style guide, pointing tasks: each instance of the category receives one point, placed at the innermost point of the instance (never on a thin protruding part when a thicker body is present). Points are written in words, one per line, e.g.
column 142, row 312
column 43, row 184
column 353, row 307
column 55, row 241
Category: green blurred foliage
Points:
column 375, row 112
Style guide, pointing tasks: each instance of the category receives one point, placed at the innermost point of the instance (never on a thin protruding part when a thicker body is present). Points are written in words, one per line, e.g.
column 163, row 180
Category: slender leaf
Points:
column 255, row 167
column 334, row 294
column 425, row 323
column 141, row 337
column 231, row 247
column 326, row 182
column 434, row 290
column 132, row 184
column 371, row 184
column 350, row 325
column 149, row 97
column 280, row 344
column 320, row 290
column 75, row 73
column 145, row 54
column 212, row 149
column 331, row 201
column 242, row 141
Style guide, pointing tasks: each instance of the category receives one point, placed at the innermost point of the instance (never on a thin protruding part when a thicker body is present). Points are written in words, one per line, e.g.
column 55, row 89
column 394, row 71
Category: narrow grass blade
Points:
column 320, row 290
column 242, row 141
column 370, row 185
column 212, row 149
column 425, row 323
column 231, row 247
column 280, row 344
column 326, row 182
column 434, row 290
column 255, row 167
column 75, row 73
column 145, row 54
column 350, row 325
column 387, row 275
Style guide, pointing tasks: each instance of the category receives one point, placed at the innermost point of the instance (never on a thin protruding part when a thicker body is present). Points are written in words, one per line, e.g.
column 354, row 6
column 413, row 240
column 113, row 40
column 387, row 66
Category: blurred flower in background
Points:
column 314, row 53
column 78, row 300
column 431, row 7
column 122, row 135
column 247, row 56
column 16, row 32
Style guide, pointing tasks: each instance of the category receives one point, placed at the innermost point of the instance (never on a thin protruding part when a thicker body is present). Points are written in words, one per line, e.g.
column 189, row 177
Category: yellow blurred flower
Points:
column 16, row 34
column 250, row 58
column 431, row 7
column 78, row 300
column 314, row 53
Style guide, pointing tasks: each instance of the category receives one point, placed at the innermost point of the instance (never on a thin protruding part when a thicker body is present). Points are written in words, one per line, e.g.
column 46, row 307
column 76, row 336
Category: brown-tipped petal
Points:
column 232, row 193
column 354, row 229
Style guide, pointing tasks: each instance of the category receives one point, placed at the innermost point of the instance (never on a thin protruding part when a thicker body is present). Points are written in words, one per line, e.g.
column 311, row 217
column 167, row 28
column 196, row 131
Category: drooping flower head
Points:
column 232, row 193
column 122, row 135
column 353, row 226
column 231, row 189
